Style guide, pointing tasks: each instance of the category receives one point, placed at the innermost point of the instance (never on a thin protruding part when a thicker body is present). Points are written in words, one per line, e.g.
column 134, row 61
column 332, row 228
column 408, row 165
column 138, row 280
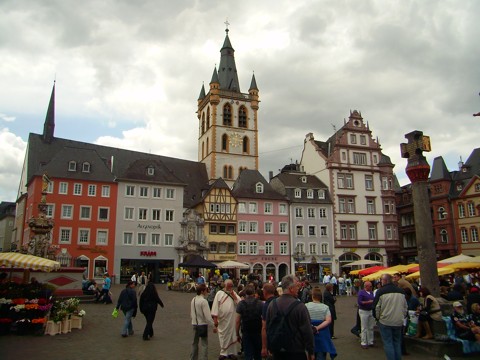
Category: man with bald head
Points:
column 365, row 302
column 224, row 318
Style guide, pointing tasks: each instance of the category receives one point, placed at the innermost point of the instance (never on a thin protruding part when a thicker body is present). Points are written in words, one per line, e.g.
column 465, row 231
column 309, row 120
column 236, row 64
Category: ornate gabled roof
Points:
column 245, row 186
column 385, row 160
column 439, row 170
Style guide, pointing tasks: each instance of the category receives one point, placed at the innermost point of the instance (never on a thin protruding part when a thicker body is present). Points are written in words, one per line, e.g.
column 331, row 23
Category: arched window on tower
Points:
column 246, row 145
column 206, row 149
column 242, row 117
column 227, row 115
column 203, row 123
column 230, row 172
column 225, row 142
column 240, row 169
column 203, row 149
column 208, row 118
column 225, row 171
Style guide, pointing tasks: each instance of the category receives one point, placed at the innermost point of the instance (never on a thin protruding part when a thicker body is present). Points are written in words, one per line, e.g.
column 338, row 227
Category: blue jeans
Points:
column 127, row 324
column 392, row 340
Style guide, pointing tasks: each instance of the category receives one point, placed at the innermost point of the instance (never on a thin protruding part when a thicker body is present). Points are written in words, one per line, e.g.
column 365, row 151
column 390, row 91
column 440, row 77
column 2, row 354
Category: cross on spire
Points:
column 226, row 24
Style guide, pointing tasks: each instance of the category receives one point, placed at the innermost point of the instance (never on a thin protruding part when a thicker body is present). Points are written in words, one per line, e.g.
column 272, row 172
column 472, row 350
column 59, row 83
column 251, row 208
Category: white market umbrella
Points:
column 19, row 260
column 362, row 262
column 230, row 264
column 457, row 259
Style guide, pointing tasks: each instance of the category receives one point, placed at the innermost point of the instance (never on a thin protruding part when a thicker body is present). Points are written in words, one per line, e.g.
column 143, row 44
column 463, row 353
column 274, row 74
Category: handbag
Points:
column 200, row 330
column 115, row 313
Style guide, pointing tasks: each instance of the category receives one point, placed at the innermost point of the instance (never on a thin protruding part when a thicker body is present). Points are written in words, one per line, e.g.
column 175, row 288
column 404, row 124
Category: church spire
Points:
column 227, row 70
column 202, row 93
column 49, row 125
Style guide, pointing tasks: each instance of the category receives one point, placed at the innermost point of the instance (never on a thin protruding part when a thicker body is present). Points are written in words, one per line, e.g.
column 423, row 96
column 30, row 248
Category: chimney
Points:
column 270, row 175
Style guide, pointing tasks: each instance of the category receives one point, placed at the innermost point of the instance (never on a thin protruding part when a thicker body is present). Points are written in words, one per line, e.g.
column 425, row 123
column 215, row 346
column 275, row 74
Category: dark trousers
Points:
column 150, row 317
column 252, row 346
column 290, row 356
column 331, row 327
column 106, row 297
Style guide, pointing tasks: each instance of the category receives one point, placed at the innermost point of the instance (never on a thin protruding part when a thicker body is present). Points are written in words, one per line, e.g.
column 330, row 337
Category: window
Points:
column 321, row 194
column 299, row 212
column 299, row 230
column 128, row 214
column 363, row 140
column 312, row 230
column 471, row 209
column 67, row 211
column 65, row 235
column 353, row 139
column 213, row 247
column 359, row 158
column 72, row 166
column 156, row 215
column 323, row 230
column 253, row 245
column 252, row 226
column 102, row 237
column 157, row 193
column 353, row 231
column 242, row 208
column 282, row 209
column 269, row 248
column 259, row 188
column 252, row 208
column 127, row 238
column 83, row 236
column 322, row 213
column 242, row 248
column 384, row 183
column 312, row 248
column 461, row 211
column 49, row 211
column 375, row 159
column 227, row 115
column 103, row 214
column 242, row 117
column 443, row 236
column 368, row 182
column 142, row 214
column 143, row 191
column 268, row 227
column 106, row 191
column 298, row 193
column 169, row 215
column 141, row 239
column 370, row 206
column 477, row 187
column 345, row 181
column 324, row 248
column 474, row 234
column 224, row 148
column 242, row 226
column 349, row 181
column 77, row 189
column 267, row 208
column 170, row 194
column 372, row 231
column 85, row 212
column 222, row 248
column 464, row 235
column 86, row 167
column 283, row 228
column 168, row 239
column 348, row 231
column 442, row 213
column 130, row 190
column 388, row 230
column 150, row 171
column 309, row 194
column 156, row 239
column 92, row 190
column 283, row 248
column 311, row 213
column 63, row 188
column 341, row 205
column 351, row 206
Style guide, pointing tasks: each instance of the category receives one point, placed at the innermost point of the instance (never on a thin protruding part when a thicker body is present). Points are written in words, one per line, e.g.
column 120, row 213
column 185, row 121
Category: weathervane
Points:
column 226, row 24
column 477, row 114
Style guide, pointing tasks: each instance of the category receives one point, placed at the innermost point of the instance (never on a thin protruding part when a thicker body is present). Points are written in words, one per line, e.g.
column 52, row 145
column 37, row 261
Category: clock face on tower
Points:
column 235, row 139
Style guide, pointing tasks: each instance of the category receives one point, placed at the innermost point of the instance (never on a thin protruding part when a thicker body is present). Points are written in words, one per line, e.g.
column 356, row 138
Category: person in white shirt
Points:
column 201, row 316
column 326, row 279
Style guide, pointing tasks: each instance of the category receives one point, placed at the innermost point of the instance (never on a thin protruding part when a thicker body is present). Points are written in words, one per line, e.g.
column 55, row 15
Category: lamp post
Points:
column 298, row 256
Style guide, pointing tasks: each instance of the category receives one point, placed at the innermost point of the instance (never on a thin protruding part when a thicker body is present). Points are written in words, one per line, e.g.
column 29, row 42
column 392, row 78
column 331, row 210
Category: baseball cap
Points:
column 457, row 304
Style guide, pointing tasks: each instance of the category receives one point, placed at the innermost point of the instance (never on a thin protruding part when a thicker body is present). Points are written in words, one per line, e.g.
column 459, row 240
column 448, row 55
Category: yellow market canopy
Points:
column 391, row 270
column 459, row 258
column 441, row 271
column 18, row 260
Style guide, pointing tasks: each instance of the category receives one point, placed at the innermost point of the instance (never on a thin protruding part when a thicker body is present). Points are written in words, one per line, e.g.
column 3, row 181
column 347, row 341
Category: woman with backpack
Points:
column 149, row 300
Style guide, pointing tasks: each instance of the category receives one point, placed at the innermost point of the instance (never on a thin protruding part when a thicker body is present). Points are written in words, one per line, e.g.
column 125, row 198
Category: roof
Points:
column 292, row 181
column 439, row 170
column 227, row 70
column 109, row 164
column 245, row 186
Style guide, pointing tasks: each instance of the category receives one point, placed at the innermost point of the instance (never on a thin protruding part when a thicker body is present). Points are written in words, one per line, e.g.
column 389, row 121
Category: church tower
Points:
column 227, row 118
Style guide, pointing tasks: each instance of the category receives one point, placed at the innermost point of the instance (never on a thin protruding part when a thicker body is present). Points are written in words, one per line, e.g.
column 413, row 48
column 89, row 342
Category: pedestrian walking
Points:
column 149, row 301
column 142, row 281
column 107, row 284
column 365, row 302
column 201, row 318
column 329, row 300
column 390, row 310
column 127, row 302
column 249, row 318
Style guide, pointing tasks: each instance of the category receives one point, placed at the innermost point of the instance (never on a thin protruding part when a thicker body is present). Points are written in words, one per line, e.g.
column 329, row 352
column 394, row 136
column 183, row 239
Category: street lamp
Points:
column 298, row 255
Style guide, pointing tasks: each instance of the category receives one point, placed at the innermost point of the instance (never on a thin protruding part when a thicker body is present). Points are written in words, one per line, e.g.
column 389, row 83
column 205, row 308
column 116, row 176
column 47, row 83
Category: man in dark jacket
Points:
column 390, row 309
column 329, row 300
column 298, row 319
column 127, row 302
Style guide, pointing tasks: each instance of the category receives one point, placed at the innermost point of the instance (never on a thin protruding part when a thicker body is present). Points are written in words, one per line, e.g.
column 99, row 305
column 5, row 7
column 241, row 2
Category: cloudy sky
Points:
column 128, row 73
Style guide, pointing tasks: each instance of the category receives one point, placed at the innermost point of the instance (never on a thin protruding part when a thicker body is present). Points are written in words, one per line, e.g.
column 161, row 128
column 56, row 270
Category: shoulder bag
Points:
column 200, row 330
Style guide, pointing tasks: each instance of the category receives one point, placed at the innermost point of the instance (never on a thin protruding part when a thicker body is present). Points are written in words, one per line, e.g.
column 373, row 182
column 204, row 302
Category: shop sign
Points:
column 148, row 253
column 269, row 258
column 374, row 250
column 148, row 227
column 326, row 259
column 345, row 250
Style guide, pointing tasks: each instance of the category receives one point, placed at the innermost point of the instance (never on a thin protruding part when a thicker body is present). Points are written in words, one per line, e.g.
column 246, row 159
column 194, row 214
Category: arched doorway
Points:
column 374, row 257
column 282, row 271
column 347, row 258
column 270, row 271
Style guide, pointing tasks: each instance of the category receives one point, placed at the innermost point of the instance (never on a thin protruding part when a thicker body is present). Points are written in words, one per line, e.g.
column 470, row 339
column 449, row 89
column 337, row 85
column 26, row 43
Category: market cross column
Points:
column 417, row 171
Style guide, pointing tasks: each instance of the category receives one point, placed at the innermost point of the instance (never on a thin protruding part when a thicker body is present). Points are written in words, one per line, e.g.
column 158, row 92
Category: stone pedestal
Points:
column 76, row 322
column 53, row 328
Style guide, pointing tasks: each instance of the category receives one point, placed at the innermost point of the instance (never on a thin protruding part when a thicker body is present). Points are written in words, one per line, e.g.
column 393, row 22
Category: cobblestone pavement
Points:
column 100, row 337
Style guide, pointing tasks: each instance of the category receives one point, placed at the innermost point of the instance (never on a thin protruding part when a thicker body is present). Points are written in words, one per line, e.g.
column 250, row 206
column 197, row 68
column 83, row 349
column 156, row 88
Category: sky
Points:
column 128, row 73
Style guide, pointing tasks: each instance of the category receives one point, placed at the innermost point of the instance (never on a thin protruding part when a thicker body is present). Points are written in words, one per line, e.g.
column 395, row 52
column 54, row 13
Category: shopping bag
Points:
column 115, row 313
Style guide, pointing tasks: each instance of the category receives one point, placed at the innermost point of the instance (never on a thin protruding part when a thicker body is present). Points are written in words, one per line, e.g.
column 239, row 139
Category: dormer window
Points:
column 321, row 194
column 310, row 194
column 72, row 166
column 304, row 179
column 86, row 167
column 150, row 170
column 259, row 188
column 298, row 193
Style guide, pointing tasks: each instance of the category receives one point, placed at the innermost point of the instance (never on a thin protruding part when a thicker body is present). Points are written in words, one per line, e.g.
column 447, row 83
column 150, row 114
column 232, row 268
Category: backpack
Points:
column 279, row 335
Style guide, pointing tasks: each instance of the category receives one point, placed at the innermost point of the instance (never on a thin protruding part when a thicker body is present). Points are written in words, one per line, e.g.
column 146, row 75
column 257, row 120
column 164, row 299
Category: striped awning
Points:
column 18, row 260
